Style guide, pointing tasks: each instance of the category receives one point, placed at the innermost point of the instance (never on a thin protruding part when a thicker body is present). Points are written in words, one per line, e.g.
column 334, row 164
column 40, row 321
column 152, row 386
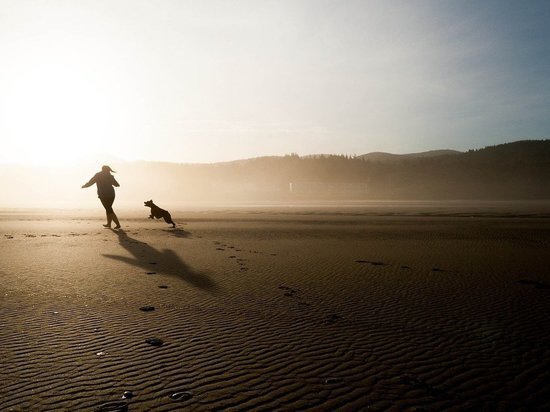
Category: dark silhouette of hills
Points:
column 512, row 171
column 518, row 170
column 390, row 157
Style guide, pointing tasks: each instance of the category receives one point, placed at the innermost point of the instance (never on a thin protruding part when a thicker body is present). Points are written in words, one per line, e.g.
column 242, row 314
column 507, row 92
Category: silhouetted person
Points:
column 106, row 192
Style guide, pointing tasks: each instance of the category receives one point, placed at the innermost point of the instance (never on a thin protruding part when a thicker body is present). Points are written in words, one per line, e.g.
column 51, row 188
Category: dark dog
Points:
column 158, row 212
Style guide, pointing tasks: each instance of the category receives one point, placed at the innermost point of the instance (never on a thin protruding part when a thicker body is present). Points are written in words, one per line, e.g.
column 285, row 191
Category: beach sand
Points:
column 276, row 309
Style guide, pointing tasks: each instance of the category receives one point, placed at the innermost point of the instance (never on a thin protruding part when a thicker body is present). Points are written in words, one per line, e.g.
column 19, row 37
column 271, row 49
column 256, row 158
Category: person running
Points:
column 106, row 192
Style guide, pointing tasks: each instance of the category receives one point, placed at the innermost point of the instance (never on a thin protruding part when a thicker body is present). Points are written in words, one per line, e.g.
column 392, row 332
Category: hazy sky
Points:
column 202, row 81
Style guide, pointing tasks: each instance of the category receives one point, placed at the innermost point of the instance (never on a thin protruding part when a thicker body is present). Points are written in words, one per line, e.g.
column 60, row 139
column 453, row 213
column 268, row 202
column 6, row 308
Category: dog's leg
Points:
column 168, row 219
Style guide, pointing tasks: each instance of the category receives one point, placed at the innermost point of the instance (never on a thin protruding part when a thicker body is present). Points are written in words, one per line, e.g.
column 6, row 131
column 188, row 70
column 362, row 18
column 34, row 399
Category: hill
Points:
column 513, row 171
column 390, row 157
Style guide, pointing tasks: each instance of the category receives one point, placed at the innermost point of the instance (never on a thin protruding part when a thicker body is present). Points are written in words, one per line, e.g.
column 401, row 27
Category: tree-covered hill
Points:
column 519, row 170
column 512, row 171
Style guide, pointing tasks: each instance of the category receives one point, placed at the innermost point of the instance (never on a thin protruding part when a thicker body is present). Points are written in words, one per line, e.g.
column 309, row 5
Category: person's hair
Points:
column 106, row 168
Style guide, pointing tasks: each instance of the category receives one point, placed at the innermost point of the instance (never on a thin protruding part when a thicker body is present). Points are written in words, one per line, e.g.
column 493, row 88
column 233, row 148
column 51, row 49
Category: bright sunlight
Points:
column 63, row 104
column 57, row 116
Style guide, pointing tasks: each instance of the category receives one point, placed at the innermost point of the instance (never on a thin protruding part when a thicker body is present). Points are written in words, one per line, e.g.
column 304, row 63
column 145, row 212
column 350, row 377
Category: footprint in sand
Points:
column 419, row 384
column 372, row 263
column 163, row 287
column 181, row 396
column 293, row 293
column 332, row 318
column 151, row 273
column 127, row 395
column 438, row 270
column 220, row 248
column 535, row 283
column 118, row 406
column 147, row 308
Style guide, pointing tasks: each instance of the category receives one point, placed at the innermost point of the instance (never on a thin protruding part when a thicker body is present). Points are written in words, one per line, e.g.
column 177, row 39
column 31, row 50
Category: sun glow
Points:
column 65, row 95
column 55, row 116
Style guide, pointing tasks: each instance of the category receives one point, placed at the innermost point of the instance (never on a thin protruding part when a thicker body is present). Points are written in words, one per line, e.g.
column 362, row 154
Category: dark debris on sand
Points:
column 154, row 341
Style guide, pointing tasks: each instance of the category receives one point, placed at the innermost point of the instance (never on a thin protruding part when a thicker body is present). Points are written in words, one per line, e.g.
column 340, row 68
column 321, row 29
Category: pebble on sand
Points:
column 127, row 395
column 154, row 341
column 181, row 396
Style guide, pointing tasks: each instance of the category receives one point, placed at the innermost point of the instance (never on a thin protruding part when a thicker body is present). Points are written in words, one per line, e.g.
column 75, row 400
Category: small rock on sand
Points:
column 181, row 396
column 154, row 341
column 127, row 395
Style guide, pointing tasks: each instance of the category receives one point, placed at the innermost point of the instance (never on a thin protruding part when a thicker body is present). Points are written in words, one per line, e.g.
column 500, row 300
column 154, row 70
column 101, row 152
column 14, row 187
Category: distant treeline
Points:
column 513, row 171
column 519, row 170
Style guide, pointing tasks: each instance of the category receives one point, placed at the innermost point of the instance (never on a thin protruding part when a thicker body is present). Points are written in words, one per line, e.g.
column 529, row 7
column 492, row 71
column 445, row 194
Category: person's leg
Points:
column 108, row 224
column 115, row 219
column 113, row 216
column 107, row 203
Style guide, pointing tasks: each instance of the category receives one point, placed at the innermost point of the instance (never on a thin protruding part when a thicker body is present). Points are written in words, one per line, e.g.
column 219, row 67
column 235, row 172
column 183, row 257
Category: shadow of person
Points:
column 167, row 262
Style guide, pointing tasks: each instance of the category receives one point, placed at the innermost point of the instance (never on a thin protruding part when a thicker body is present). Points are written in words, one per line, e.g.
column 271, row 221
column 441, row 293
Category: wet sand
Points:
column 276, row 309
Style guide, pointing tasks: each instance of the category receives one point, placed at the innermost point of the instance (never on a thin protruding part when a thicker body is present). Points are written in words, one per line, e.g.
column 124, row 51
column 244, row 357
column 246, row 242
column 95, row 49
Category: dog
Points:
column 158, row 213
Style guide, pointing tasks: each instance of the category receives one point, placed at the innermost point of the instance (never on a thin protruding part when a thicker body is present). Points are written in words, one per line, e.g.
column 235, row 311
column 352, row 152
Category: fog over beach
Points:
column 303, row 295
column 508, row 172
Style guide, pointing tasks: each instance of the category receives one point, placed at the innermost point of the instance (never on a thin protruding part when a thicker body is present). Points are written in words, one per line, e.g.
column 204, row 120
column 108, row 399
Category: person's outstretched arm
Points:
column 90, row 182
column 115, row 183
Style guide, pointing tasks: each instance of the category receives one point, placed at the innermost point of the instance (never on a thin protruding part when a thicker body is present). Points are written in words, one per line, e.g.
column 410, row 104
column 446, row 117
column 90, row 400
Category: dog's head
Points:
column 149, row 203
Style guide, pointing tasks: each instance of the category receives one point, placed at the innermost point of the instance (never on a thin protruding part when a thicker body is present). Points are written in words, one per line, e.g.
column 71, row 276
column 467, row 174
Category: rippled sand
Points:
column 275, row 310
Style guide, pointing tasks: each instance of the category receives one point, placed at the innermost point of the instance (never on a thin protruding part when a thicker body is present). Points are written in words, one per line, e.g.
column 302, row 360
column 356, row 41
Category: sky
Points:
column 206, row 81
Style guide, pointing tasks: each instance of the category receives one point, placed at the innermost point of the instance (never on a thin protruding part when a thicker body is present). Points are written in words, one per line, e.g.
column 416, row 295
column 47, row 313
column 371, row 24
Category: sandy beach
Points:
column 266, row 309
